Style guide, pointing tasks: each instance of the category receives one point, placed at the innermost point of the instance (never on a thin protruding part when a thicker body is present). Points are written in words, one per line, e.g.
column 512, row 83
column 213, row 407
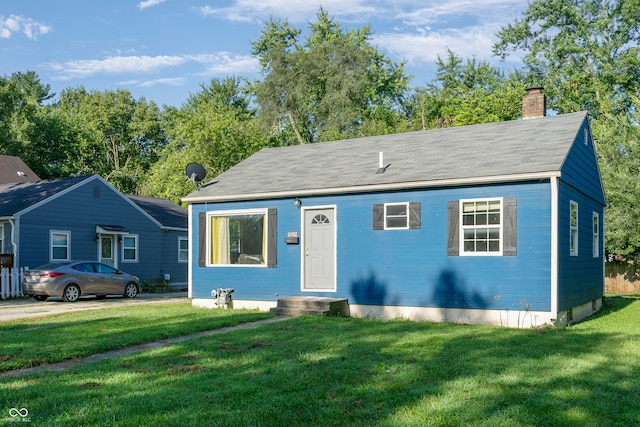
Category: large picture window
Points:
column 59, row 246
column 240, row 238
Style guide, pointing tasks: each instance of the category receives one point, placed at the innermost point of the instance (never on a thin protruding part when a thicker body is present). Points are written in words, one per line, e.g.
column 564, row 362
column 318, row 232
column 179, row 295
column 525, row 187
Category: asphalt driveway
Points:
column 23, row 308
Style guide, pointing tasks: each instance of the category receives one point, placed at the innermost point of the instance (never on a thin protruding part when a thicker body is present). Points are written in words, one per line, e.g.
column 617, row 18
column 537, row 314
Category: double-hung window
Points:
column 246, row 237
column 59, row 244
column 183, row 249
column 573, row 228
column 481, row 227
column 130, row 248
column 596, row 235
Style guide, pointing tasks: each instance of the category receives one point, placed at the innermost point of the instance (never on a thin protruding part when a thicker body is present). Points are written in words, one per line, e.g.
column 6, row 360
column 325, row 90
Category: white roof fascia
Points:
column 378, row 187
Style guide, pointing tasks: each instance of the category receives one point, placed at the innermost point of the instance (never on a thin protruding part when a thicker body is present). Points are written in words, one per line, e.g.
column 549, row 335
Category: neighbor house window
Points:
column 183, row 249
column 573, row 228
column 59, row 245
column 482, row 227
column 396, row 216
column 596, row 235
column 240, row 238
column 130, row 248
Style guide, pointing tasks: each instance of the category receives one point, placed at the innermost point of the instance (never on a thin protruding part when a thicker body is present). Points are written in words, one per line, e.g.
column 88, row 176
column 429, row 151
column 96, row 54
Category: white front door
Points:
column 319, row 257
column 107, row 250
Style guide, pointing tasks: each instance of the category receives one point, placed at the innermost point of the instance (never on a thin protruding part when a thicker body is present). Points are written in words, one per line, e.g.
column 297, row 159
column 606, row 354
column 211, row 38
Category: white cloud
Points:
column 220, row 63
column 20, row 24
column 425, row 46
column 113, row 65
column 299, row 11
column 225, row 63
column 175, row 81
column 149, row 3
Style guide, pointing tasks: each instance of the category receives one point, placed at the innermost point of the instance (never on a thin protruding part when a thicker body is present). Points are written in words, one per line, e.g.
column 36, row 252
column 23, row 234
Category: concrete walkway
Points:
column 135, row 349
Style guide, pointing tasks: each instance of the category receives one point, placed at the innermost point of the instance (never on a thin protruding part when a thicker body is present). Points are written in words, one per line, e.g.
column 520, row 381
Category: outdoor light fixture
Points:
column 297, row 202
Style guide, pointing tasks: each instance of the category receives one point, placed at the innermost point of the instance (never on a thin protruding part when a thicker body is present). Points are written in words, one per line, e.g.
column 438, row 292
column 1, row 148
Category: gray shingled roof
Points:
column 13, row 169
column 465, row 153
column 164, row 211
column 17, row 197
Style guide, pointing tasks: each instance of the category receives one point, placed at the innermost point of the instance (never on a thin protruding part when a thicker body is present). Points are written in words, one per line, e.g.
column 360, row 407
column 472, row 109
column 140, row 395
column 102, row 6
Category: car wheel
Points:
column 71, row 293
column 39, row 297
column 131, row 290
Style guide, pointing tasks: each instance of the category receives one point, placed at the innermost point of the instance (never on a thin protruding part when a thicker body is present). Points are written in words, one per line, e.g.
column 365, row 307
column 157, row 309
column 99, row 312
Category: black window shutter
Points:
column 378, row 217
column 272, row 230
column 202, row 239
column 509, row 244
column 453, row 228
column 414, row 215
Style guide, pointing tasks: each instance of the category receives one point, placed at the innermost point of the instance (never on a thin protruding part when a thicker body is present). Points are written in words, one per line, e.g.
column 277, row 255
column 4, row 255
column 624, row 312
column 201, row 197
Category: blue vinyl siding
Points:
column 78, row 212
column 402, row 267
column 580, row 169
column 582, row 276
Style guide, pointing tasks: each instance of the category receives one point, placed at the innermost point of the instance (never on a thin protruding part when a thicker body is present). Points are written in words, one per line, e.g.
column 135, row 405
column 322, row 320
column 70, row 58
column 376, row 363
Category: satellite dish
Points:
column 195, row 172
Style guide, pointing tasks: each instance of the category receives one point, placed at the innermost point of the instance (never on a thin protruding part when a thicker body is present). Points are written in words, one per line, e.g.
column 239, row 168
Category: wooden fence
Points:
column 622, row 277
column 11, row 282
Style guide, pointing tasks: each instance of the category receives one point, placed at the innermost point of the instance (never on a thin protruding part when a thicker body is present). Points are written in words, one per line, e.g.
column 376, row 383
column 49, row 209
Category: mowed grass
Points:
column 315, row 371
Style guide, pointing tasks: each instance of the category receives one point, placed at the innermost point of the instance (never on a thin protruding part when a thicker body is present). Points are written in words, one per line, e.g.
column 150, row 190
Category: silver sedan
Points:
column 70, row 280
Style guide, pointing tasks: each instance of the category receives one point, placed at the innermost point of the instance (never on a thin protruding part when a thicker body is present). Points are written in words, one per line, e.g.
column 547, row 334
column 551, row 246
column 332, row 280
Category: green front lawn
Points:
column 314, row 371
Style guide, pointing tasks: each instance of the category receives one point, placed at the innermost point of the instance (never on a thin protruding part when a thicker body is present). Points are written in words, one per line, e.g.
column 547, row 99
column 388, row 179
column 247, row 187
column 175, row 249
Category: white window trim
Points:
column 406, row 205
column 68, row 234
column 122, row 248
column 463, row 227
column 573, row 238
column 596, row 234
column 211, row 214
column 180, row 250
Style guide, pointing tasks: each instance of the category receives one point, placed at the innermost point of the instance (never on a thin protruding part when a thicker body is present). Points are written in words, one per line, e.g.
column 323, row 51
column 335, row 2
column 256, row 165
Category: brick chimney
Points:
column 534, row 104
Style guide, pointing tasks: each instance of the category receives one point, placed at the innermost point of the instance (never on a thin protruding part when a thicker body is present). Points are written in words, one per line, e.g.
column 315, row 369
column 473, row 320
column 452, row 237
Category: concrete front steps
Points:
column 312, row 306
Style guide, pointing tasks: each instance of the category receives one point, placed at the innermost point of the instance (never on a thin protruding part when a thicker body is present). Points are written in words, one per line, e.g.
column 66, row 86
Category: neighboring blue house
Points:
column 497, row 223
column 87, row 218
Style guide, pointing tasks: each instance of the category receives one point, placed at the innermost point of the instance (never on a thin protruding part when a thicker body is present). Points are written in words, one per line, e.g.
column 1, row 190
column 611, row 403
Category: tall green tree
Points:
column 586, row 54
column 26, row 129
column 467, row 92
column 328, row 87
column 116, row 135
column 215, row 127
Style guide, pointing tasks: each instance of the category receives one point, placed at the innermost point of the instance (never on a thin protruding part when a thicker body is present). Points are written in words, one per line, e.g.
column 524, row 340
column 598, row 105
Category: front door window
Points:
column 106, row 250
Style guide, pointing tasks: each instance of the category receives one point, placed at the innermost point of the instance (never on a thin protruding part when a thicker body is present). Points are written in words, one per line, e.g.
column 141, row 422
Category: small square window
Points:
column 396, row 216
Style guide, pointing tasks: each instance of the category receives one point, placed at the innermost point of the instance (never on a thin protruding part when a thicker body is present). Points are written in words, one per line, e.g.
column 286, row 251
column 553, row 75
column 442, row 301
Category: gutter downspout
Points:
column 554, row 247
column 14, row 243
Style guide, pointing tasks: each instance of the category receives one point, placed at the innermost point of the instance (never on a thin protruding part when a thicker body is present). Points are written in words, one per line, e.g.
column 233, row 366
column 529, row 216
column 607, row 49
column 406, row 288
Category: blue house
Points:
column 497, row 223
column 87, row 218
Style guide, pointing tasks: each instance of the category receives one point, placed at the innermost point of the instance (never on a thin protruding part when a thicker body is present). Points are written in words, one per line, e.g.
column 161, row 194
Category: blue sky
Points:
column 164, row 50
